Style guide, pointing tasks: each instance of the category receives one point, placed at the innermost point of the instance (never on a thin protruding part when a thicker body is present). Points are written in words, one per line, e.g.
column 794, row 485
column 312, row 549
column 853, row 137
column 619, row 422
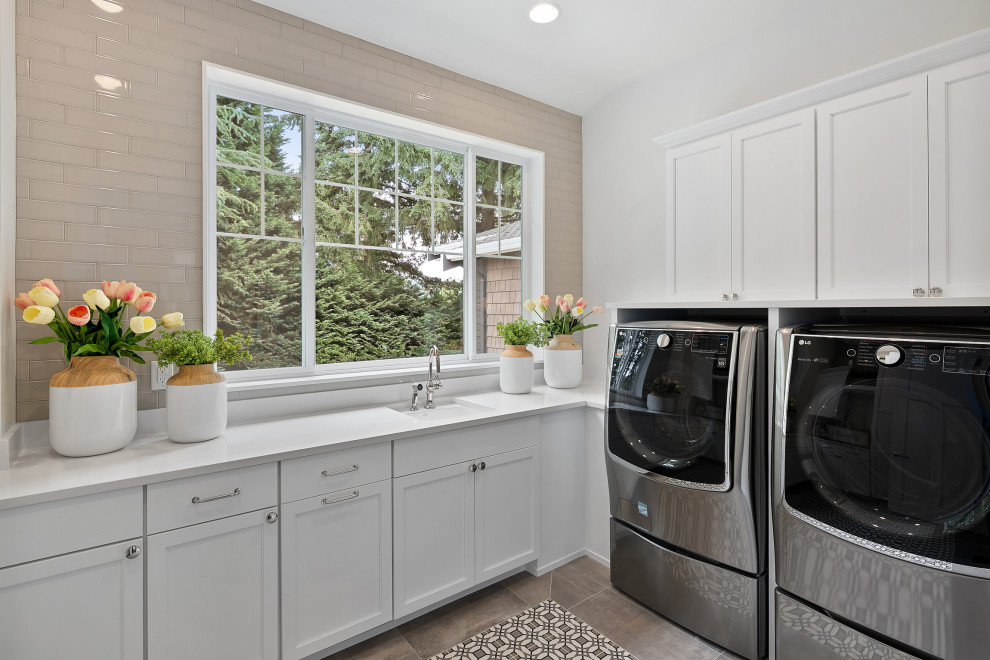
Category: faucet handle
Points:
column 417, row 387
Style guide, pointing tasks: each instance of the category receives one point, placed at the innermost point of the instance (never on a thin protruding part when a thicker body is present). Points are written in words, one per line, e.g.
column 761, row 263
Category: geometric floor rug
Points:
column 543, row 632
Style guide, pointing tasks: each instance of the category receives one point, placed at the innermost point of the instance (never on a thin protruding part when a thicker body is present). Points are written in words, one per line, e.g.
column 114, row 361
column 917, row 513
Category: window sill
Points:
column 354, row 380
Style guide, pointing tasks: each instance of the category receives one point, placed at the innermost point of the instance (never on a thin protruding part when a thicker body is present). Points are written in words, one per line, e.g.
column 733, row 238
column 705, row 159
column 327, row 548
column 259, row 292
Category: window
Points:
column 341, row 238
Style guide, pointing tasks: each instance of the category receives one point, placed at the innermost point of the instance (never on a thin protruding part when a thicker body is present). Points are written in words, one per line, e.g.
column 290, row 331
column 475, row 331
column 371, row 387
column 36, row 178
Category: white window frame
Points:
column 315, row 106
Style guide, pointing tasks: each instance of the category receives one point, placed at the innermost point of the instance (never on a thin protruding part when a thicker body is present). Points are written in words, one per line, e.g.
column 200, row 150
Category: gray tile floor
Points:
column 582, row 587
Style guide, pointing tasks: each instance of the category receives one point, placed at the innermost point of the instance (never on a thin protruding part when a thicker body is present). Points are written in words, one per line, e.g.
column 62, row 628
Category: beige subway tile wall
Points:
column 109, row 133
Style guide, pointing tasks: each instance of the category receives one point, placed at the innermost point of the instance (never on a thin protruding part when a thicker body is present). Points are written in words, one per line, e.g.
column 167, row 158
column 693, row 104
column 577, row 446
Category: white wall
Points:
column 624, row 169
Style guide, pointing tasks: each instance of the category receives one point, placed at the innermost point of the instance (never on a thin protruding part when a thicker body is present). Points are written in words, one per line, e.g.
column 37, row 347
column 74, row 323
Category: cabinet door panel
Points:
column 773, row 209
column 87, row 605
column 507, row 494
column 873, row 192
column 958, row 98
column 213, row 591
column 433, row 536
column 336, row 567
column 699, row 247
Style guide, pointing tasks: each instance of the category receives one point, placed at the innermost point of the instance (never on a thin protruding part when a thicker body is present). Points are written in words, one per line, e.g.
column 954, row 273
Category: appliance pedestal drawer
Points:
column 724, row 606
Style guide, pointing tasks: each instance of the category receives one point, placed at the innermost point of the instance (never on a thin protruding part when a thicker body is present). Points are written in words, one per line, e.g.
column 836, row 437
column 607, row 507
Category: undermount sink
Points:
column 445, row 410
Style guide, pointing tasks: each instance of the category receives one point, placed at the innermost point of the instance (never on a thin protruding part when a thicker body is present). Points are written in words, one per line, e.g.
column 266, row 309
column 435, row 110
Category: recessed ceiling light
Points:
column 544, row 12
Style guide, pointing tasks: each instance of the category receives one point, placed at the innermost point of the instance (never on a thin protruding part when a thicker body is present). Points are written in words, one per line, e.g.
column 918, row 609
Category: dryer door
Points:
column 887, row 444
column 670, row 402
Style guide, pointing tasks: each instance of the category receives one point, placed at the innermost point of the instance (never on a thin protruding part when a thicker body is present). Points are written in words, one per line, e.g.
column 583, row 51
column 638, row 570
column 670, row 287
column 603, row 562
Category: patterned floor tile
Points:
column 543, row 632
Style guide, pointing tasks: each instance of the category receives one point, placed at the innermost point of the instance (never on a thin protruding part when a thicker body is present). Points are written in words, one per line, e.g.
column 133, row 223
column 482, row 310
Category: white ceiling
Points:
column 593, row 49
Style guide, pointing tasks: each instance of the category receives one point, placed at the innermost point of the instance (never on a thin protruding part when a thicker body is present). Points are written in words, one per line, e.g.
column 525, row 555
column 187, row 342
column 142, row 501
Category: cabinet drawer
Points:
column 54, row 528
column 314, row 475
column 193, row 500
column 450, row 447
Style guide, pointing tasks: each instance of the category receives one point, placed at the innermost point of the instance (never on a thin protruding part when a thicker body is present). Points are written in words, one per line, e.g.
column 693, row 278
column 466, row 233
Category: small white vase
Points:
column 196, row 404
column 92, row 407
column 562, row 362
column 515, row 370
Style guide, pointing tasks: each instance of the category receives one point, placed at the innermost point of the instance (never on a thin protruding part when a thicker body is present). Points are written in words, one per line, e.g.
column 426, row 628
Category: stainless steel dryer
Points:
column 881, row 493
column 685, row 447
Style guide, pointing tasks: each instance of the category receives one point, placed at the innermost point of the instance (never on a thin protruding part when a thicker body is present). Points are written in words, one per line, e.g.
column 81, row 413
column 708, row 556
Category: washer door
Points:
column 669, row 404
column 894, row 451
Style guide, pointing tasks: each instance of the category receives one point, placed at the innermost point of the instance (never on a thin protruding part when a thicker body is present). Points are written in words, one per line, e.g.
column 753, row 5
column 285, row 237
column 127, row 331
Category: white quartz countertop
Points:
column 40, row 474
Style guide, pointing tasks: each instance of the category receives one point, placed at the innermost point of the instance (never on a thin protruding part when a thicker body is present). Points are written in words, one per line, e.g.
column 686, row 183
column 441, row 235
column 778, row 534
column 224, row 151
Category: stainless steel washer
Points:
column 881, row 492
column 685, row 446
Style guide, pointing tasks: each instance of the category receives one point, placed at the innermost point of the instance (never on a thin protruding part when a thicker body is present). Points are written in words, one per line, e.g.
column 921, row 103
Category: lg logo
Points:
column 804, row 342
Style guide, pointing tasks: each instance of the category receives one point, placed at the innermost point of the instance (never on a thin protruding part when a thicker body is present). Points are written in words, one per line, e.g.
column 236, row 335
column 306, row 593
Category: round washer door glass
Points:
column 890, row 442
column 669, row 402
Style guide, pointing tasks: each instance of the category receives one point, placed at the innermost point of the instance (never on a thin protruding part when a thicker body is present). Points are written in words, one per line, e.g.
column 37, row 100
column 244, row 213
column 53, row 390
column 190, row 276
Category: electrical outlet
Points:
column 159, row 375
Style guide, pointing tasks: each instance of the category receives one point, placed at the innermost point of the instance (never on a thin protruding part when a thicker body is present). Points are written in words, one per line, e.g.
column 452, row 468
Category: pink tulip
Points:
column 565, row 306
column 559, row 300
column 23, row 301
column 79, row 315
column 144, row 302
column 545, row 301
column 110, row 288
column 581, row 302
column 127, row 291
column 48, row 284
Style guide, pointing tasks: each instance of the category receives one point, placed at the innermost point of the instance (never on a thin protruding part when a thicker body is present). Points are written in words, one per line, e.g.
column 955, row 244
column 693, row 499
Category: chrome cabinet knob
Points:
column 919, row 292
column 482, row 466
column 725, row 297
column 272, row 517
column 133, row 552
column 473, row 468
column 734, row 296
column 935, row 291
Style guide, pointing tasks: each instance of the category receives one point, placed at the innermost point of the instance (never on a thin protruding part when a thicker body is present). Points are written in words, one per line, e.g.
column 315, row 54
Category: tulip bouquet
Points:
column 565, row 317
column 97, row 327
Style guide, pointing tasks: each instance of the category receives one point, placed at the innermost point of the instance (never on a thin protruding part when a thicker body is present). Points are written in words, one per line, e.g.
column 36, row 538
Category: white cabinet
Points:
column 741, row 214
column 873, row 193
column 86, row 605
column 213, row 590
column 336, row 567
column 773, row 209
column 462, row 524
column 959, row 216
column 699, row 247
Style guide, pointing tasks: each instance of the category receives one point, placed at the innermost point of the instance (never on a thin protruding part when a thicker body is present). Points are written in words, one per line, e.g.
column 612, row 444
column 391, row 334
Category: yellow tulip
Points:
column 142, row 324
column 173, row 321
column 530, row 305
column 39, row 315
column 43, row 296
column 96, row 299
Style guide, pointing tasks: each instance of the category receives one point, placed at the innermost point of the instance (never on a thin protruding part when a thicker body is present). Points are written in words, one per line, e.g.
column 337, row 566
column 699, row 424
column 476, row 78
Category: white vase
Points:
column 196, row 404
column 562, row 362
column 515, row 370
column 92, row 407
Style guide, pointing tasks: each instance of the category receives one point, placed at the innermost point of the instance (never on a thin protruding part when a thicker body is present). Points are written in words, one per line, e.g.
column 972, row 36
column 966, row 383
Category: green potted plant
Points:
column 662, row 393
column 196, row 397
column 515, row 373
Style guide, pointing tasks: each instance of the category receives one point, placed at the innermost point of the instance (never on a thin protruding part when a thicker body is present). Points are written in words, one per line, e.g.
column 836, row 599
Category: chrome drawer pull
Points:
column 200, row 500
column 334, row 473
column 341, row 499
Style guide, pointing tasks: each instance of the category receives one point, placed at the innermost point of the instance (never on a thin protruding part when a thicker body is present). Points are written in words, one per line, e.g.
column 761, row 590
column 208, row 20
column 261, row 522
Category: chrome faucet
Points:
column 417, row 388
column 433, row 385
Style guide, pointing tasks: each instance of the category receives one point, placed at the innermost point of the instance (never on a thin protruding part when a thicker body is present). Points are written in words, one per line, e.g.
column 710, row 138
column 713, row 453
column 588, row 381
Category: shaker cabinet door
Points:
column 86, row 605
column 213, row 590
column 507, row 512
column 433, row 536
column 699, row 246
column 336, row 567
column 873, row 193
column 959, row 134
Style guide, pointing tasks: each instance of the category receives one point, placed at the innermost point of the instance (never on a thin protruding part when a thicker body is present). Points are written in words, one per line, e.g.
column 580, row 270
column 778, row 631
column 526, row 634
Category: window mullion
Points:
column 309, row 241
column 470, row 267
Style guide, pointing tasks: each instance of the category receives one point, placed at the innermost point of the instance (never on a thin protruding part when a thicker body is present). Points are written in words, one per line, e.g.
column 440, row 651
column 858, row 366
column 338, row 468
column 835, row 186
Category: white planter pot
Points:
column 92, row 407
column 515, row 370
column 562, row 363
column 196, row 411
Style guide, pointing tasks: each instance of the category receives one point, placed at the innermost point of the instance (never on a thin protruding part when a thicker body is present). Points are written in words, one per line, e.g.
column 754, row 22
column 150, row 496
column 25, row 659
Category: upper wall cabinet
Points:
column 699, row 247
column 741, row 214
column 873, row 193
column 959, row 216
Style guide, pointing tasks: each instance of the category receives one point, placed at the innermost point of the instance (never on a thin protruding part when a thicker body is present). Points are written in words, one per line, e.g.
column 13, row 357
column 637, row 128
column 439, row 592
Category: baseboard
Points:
column 597, row 557
column 546, row 568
